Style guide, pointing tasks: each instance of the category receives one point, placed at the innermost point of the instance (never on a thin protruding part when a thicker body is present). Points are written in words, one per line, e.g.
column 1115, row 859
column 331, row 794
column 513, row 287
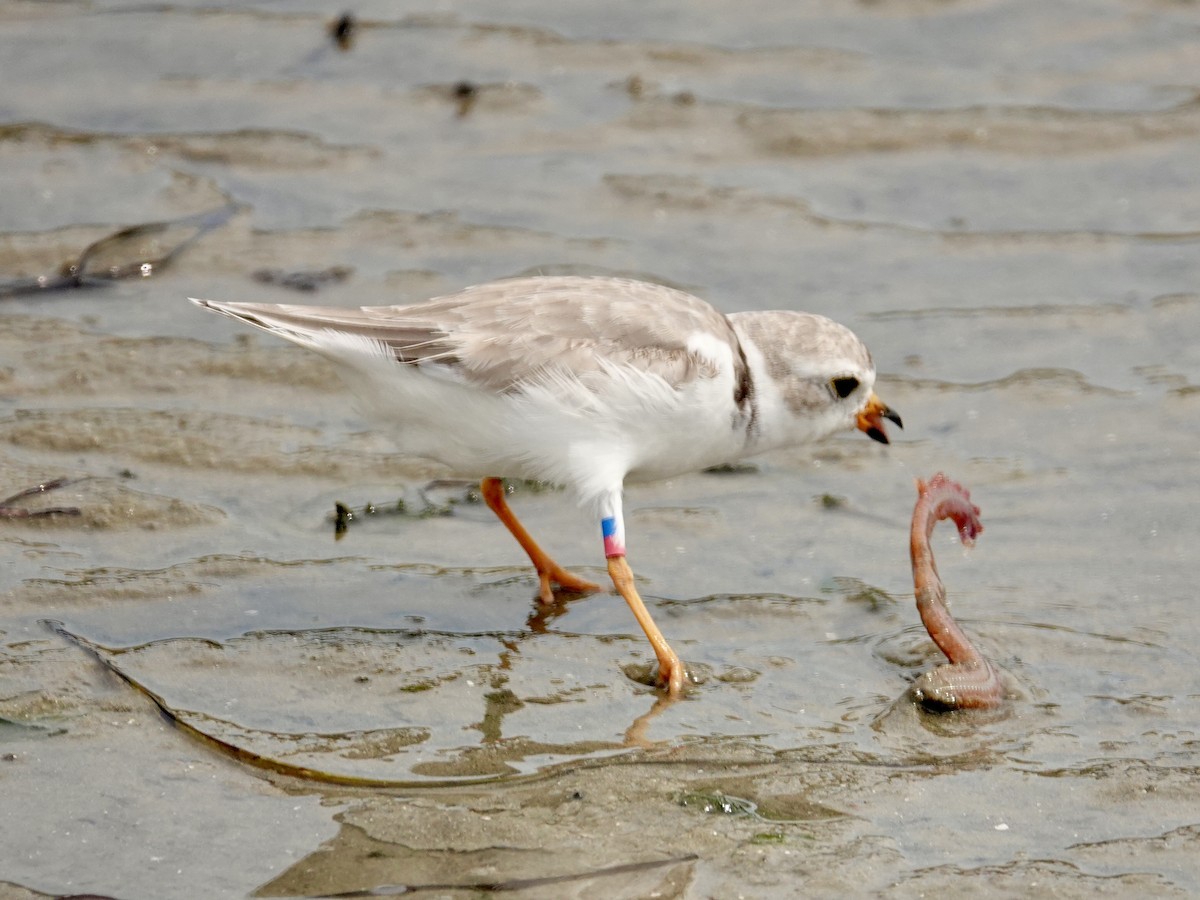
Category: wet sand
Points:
column 204, row 692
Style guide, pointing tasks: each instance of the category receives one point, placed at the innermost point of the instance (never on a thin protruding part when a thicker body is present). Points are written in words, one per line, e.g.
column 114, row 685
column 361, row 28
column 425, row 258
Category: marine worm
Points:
column 968, row 681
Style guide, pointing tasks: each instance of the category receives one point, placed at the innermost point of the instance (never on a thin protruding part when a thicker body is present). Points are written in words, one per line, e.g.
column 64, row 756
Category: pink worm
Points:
column 968, row 680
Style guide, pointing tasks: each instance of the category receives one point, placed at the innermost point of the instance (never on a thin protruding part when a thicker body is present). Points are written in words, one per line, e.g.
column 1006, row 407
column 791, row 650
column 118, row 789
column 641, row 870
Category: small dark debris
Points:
column 306, row 282
column 465, row 94
column 732, row 469
column 831, row 501
column 342, row 514
column 873, row 598
column 343, row 30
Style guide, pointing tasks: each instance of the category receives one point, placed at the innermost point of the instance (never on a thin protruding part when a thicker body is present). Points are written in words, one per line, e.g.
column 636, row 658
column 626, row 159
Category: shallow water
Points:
column 1000, row 198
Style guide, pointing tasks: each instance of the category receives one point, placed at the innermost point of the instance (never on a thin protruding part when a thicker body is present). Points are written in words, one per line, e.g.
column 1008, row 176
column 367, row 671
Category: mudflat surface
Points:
column 204, row 693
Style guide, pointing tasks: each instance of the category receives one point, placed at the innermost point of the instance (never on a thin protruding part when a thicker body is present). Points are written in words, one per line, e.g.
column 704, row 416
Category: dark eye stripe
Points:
column 844, row 387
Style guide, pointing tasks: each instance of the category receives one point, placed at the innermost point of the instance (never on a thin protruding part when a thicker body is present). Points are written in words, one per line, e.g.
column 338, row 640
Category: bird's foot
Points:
column 671, row 676
column 556, row 575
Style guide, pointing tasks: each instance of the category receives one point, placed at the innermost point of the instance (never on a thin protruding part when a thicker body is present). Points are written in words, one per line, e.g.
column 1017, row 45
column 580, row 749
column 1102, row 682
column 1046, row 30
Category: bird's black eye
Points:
column 844, row 386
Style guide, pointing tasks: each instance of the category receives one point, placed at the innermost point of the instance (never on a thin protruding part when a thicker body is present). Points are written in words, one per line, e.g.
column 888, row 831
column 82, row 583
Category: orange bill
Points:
column 870, row 420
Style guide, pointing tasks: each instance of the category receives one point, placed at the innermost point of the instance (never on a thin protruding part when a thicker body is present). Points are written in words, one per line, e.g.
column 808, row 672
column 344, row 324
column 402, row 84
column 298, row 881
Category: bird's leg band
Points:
column 613, row 530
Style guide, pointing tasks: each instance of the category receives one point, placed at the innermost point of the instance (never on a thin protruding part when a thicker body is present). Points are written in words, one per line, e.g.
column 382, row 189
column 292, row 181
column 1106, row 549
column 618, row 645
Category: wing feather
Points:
column 505, row 334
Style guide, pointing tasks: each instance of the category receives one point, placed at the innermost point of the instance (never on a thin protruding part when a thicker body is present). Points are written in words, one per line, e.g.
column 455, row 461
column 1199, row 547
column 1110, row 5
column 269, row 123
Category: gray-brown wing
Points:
column 505, row 333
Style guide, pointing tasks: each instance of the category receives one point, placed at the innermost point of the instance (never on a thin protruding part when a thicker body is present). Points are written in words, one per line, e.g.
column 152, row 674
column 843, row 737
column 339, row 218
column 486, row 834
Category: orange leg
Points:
column 671, row 673
column 549, row 572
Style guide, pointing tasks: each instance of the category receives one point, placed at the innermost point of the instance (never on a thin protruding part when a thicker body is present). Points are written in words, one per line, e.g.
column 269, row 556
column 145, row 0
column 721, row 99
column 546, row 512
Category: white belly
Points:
column 587, row 437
